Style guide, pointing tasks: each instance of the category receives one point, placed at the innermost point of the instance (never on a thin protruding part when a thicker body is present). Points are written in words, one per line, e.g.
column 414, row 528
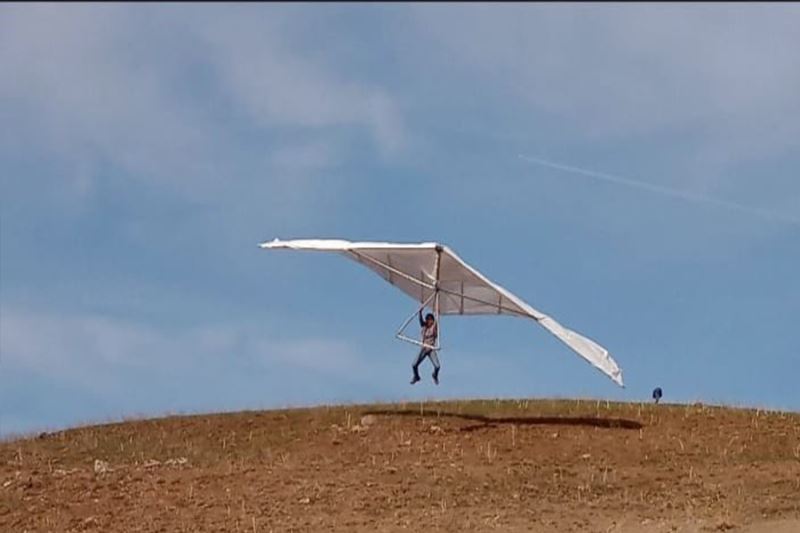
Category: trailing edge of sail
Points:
column 412, row 268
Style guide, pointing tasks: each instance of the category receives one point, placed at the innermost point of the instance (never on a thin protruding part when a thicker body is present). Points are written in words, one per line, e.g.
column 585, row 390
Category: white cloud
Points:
column 276, row 87
column 99, row 353
column 59, row 369
column 153, row 91
column 81, row 95
column 725, row 72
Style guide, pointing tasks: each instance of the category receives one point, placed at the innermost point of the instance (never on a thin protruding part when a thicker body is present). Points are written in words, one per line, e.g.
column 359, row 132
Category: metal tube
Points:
column 420, row 308
column 488, row 304
column 424, row 285
column 437, row 271
column 402, row 337
column 393, row 270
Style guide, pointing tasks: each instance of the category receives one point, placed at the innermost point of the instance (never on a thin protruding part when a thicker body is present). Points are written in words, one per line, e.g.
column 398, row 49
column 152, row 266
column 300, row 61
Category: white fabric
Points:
column 418, row 269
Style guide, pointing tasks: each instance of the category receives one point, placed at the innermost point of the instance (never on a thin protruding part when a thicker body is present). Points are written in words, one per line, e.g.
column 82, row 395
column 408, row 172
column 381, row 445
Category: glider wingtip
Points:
column 269, row 244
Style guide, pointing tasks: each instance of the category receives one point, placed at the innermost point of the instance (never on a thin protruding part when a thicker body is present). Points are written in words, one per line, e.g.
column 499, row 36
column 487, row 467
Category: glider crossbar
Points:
column 391, row 269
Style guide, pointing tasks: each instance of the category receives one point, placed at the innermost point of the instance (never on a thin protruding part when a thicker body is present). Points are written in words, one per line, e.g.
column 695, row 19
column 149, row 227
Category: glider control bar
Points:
column 406, row 338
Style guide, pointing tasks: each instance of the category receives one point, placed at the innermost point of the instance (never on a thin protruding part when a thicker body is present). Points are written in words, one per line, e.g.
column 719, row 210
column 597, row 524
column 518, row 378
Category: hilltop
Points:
column 525, row 465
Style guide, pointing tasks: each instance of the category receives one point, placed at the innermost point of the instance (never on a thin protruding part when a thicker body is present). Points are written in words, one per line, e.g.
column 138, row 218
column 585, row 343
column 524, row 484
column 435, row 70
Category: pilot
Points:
column 430, row 332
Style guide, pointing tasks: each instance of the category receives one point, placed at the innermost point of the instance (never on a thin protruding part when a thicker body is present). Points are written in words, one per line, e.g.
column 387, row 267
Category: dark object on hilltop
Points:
column 657, row 394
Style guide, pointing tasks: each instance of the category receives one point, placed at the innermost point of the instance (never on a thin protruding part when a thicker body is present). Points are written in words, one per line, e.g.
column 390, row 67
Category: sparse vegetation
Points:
column 543, row 465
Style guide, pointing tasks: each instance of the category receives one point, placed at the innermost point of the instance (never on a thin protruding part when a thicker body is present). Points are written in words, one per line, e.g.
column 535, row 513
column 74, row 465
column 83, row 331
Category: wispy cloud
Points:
column 138, row 368
column 277, row 87
column 80, row 89
column 722, row 76
column 99, row 353
column 664, row 191
column 165, row 94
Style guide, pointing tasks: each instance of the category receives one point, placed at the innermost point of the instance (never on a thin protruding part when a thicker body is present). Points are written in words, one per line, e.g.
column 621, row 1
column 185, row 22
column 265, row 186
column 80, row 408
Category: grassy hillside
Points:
column 452, row 466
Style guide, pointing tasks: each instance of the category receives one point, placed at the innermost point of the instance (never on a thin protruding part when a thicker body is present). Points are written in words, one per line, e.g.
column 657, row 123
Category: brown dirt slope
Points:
column 456, row 466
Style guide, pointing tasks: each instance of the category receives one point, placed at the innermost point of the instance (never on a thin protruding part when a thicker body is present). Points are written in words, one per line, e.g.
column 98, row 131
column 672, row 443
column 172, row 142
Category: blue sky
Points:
column 146, row 150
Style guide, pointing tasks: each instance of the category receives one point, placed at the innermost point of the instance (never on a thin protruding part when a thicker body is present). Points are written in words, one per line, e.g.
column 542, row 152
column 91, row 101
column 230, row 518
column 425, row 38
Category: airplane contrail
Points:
column 666, row 191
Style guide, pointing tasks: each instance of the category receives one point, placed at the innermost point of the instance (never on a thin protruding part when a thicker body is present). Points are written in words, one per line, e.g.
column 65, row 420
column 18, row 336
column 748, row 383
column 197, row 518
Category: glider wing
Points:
column 420, row 269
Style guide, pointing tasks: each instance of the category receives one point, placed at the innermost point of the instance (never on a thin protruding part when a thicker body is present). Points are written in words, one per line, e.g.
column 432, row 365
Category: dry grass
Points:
column 544, row 465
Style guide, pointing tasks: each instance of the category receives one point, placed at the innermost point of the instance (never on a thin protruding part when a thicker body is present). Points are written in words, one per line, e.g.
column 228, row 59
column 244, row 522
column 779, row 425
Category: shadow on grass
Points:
column 490, row 421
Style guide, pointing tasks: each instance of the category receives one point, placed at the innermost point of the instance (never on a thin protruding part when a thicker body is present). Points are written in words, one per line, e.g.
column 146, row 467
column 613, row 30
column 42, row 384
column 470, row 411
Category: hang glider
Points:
column 433, row 275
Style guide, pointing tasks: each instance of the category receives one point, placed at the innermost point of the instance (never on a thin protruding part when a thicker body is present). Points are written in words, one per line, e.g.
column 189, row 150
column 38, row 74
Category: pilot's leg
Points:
column 436, row 366
column 420, row 357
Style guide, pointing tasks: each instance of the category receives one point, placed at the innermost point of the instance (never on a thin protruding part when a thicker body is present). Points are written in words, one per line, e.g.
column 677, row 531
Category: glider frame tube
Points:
column 436, row 271
column 360, row 258
column 422, row 284
column 434, row 297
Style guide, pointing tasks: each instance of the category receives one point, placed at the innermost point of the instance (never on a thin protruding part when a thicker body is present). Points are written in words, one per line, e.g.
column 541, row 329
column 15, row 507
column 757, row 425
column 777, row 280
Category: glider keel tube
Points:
column 431, row 272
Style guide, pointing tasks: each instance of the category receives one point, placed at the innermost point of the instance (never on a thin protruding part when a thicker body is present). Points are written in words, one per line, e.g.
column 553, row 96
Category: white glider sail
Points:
column 433, row 273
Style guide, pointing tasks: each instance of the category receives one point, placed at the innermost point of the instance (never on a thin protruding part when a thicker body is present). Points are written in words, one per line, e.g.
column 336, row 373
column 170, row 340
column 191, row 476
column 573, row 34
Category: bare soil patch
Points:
column 570, row 465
